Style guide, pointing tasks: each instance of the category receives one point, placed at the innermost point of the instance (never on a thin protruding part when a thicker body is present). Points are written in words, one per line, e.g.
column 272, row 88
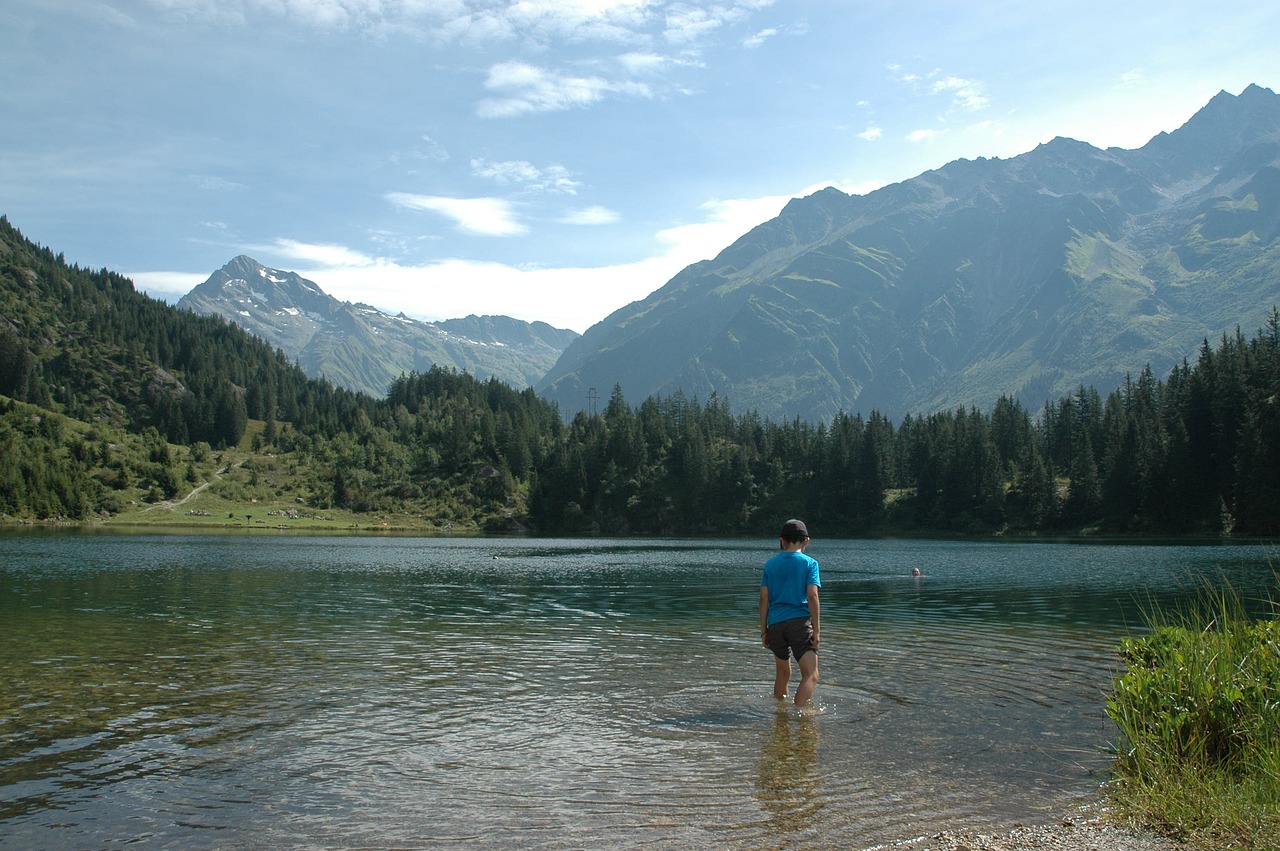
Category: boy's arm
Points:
column 764, row 615
column 815, row 614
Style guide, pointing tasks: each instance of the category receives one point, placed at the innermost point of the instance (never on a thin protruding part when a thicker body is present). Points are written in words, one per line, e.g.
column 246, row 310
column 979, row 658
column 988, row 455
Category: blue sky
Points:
column 550, row 160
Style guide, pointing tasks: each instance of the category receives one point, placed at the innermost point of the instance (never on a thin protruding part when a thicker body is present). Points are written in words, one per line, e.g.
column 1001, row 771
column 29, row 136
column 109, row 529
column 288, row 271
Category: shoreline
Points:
column 1090, row 828
column 403, row 524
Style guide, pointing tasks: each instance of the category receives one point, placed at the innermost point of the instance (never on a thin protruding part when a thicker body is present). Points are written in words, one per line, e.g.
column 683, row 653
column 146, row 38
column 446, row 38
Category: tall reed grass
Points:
column 1198, row 708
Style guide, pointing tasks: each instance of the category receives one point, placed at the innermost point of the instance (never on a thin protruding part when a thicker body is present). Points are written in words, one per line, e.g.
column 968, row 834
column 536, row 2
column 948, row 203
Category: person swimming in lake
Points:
column 790, row 612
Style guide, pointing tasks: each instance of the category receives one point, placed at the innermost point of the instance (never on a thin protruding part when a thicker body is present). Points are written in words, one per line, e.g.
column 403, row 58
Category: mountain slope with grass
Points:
column 1065, row 266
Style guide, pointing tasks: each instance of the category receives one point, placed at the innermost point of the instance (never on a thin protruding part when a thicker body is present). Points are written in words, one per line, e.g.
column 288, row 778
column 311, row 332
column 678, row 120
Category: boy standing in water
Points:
column 790, row 616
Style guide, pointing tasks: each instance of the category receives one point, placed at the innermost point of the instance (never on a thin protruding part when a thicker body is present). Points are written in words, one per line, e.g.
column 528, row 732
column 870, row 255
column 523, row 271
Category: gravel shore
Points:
column 1088, row 830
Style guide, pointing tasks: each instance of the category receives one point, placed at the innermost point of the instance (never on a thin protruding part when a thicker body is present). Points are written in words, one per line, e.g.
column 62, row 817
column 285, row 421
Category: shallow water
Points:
column 318, row 692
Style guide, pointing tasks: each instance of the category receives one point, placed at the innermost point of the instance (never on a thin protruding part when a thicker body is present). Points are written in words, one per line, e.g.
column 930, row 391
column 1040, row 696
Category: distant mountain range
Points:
column 363, row 349
column 1030, row 276
column 1066, row 265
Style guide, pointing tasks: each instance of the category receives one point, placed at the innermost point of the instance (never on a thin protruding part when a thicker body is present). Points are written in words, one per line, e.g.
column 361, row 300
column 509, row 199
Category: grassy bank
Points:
column 1199, row 715
column 245, row 490
column 104, row 475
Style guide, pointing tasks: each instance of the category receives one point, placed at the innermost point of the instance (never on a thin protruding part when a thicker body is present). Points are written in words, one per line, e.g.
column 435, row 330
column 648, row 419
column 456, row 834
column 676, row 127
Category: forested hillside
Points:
column 111, row 398
column 112, row 403
column 1197, row 453
column 86, row 344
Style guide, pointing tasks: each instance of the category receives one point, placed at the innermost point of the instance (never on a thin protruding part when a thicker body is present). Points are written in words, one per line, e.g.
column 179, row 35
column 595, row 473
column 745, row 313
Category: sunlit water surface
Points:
column 360, row 692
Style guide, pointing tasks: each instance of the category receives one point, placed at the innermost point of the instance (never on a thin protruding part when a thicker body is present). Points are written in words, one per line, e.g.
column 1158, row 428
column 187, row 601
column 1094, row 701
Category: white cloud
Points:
column 726, row 220
column 644, row 63
column 688, row 23
column 213, row 183
column 552, row 178
column 428, row 150
column 166, row 286
column 483, row 216
column 967, row 94
column 564, row 297
column 754, row 41
column 567, row 297
column 525, row 88
column 872, row 133
column 925, row 135
column 576, row 20
column 1133, row 77
column 325, row 254
column 536, row 23
column 988, row 126
column 511, row 171
column 591, row 216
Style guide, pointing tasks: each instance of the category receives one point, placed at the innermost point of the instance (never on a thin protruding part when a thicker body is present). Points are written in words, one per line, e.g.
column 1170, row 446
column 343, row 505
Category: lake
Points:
column 275, row 690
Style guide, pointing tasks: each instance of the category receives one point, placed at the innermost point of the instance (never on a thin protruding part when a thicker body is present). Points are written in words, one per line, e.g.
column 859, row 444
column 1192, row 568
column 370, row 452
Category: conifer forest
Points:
column 110, row 399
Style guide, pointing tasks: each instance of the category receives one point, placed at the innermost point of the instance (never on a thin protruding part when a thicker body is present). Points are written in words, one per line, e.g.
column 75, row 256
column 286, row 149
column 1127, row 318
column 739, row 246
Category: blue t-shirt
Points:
column 788, row 576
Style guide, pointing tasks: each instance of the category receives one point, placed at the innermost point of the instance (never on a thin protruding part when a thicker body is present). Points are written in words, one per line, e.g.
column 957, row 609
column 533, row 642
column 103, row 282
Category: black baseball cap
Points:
column 794, row 529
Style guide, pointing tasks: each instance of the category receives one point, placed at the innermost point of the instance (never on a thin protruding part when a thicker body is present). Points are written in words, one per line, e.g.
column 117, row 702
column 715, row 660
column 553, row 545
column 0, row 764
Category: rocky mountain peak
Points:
column 361, row 348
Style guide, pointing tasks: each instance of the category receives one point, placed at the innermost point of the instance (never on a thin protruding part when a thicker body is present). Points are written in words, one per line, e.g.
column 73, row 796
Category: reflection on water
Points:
column 787, row 785
column 336, row 692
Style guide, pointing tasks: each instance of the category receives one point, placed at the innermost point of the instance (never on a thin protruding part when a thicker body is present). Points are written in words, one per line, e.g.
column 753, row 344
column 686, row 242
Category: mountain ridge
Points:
column 361, row 348
column 1027, row 276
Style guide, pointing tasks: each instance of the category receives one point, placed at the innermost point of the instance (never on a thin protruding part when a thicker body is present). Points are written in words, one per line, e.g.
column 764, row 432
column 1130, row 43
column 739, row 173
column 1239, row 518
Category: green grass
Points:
column 1199, row 715
column 242, row 489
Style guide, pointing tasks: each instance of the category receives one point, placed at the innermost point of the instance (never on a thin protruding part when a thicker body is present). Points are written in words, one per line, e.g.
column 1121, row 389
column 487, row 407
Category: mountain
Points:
column 361, row 348
column 1063, row 266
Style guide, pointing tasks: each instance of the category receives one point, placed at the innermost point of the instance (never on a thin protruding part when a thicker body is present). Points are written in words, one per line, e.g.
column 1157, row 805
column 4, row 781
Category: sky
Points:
column 550, row 160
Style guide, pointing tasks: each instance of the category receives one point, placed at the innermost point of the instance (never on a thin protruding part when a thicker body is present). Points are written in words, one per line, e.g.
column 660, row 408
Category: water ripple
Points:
column 396, row 692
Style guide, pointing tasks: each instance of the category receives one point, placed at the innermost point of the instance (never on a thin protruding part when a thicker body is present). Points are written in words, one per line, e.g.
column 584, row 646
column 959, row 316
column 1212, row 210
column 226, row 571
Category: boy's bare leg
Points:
column 808, row 678
column 781, row 677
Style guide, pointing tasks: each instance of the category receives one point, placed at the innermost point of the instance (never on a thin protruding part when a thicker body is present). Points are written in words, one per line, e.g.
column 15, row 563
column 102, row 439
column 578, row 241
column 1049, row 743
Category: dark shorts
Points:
column 795, row 635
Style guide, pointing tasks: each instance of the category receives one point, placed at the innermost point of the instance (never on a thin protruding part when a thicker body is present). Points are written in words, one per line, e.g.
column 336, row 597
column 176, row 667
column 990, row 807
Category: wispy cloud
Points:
column 538, row 23
column 872, row 133
column 686, row 23
column 1133, row 77
column 579, row 20
column 642, row 63
column 725, row 220
column 213, row 183
column 481, row 216
column 754, row 41
column 566, row 296
column 523, row 88
column 166, row 286
column 924, row 135
column 426, row 150
column 966, row 94
column 322, row 254
column 591, row 216
column 552, row 178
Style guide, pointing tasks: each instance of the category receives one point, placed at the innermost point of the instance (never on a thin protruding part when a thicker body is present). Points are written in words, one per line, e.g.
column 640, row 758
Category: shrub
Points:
column 1198, row 709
